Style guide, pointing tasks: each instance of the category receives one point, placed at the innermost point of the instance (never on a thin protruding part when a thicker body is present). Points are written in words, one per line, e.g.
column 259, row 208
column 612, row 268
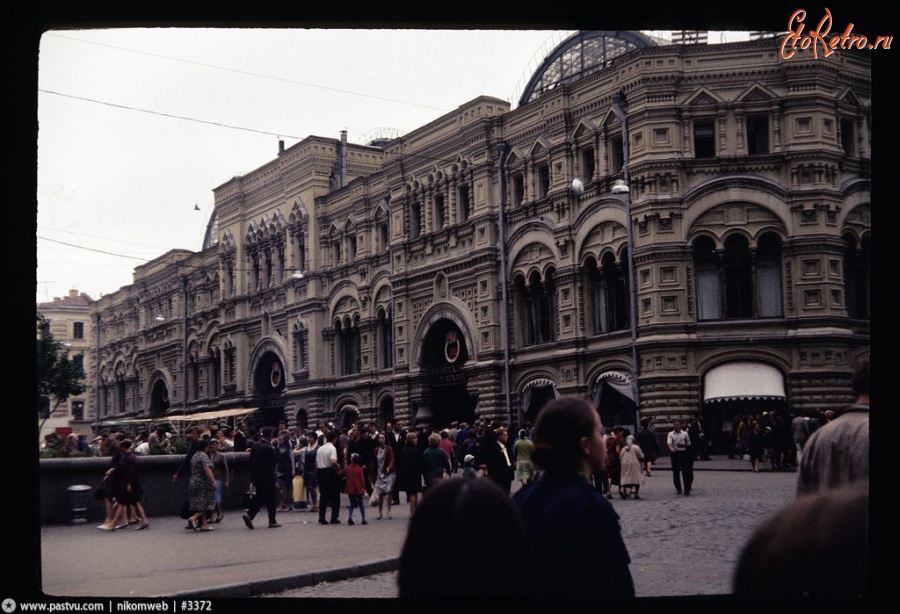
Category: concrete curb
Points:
column 286, row 583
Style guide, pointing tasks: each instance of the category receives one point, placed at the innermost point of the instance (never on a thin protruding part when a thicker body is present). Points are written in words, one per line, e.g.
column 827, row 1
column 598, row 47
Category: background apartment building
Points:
column 71, row 325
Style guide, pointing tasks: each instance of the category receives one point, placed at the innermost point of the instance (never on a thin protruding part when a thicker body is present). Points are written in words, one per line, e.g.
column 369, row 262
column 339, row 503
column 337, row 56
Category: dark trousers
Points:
column 329, row 492
column 683, row 466
column 265, row 495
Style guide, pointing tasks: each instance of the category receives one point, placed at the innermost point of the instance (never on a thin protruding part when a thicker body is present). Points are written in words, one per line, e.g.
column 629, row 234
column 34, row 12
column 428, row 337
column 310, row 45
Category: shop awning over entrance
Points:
column 211, row 415
column 743, row 380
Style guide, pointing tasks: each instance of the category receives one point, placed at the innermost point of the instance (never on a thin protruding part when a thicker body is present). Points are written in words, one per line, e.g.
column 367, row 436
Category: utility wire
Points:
column 253, row 74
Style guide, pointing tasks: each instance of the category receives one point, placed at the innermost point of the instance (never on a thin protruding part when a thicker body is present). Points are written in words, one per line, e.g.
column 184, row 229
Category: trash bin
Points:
column 79, row 495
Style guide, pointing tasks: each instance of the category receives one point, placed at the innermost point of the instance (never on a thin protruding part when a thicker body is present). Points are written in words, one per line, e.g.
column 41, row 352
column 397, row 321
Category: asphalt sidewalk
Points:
column 79, row 560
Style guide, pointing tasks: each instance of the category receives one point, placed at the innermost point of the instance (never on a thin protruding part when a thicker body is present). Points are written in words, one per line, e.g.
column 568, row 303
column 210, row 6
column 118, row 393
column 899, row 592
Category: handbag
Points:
column 185, row 511
column 299, row 492
column 373, row 500
column 249, row 496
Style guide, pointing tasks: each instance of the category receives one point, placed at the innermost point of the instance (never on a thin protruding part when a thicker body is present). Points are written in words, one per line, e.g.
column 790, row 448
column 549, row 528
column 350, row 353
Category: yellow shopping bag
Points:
column 299, row 492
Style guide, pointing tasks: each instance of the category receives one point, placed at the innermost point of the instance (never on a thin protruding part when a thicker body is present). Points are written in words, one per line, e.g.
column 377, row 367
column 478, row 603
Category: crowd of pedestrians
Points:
column 560, row 525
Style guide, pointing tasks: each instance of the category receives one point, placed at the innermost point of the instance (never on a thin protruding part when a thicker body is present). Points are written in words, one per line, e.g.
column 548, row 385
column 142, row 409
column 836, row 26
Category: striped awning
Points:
column 743, row 380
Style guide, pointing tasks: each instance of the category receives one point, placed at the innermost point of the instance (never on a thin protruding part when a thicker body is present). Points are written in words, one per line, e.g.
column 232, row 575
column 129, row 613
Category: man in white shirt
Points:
column 327, row 475
column 682, row 459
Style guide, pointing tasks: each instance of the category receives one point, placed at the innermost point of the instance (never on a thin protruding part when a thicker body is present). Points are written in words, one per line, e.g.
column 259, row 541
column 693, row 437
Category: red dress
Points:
column 613, row 464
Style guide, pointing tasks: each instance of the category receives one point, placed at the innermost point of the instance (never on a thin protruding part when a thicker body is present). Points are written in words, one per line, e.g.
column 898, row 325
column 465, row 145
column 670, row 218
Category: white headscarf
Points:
column 628, row 441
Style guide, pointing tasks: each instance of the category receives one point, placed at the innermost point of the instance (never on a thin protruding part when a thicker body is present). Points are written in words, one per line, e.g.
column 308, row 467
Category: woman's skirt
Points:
column 385, row 483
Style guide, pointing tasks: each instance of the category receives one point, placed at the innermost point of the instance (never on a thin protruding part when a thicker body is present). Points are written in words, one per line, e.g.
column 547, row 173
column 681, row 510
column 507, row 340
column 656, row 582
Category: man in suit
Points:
column 262, row 473
column 500, row 467
column 396, row 438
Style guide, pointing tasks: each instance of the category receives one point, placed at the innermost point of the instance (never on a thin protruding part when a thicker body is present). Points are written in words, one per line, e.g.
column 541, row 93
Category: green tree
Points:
column 58, row 375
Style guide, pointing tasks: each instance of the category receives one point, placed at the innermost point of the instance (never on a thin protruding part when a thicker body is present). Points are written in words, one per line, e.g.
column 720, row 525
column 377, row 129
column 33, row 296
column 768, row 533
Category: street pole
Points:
column 618, row 100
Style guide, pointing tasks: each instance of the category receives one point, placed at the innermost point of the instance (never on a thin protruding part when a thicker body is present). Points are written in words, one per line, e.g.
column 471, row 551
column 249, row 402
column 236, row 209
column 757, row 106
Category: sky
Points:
column 138, row 126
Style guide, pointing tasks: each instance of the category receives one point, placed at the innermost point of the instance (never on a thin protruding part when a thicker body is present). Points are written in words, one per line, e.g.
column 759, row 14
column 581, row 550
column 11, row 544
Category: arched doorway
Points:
column 159, row 397
column 535, row 395
column 347, row 415
column 614, row 398
column 385, row 412
column 268, row 385
column 445, row 396
column 739, row 388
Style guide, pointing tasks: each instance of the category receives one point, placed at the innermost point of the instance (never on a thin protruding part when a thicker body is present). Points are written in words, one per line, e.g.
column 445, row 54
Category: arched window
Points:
column 385, row 339
column 738, row 283
column 536, row 308
column 608, row 294
column 215, row 373
column 415, row 220
column 768, row 276
column 857, row 259
column 348, row 340
column 738, row 270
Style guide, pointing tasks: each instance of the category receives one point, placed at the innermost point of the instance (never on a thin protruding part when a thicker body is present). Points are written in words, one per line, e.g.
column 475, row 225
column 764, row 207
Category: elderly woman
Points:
column 435, row 463
column 202, row 487
column 631, row 460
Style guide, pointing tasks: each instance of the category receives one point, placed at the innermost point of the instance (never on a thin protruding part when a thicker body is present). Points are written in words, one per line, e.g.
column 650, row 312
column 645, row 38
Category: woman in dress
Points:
column 646, row 439
column 307, row 462
column 409, row 470
column 220, row 471
column 129, row 490
column 631, row 459
column 202, row 487
column 284, row 471
column 755, row 445
column 613, row 466
column 386, row 476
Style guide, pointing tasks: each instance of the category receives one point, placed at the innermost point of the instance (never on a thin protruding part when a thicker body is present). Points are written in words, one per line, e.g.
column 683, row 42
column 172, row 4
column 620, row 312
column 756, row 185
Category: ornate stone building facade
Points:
column 460, row 271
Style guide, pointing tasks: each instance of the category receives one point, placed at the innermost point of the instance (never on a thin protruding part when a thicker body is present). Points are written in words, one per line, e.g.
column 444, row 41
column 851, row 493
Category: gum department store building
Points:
column 460, row 272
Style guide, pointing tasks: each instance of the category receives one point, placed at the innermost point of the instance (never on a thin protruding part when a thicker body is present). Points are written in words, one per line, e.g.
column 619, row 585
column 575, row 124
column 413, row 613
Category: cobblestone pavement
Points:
column 679, row 546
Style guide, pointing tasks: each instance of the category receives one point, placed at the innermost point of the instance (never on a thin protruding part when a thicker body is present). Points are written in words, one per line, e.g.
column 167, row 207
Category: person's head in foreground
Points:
column 568, row 436
column 465, row 540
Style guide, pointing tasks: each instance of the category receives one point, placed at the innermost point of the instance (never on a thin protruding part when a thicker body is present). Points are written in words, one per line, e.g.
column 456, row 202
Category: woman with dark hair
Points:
column 409, row 470
column 128, row 495
column 220, row 470
column 202, row 487
column 385, row 476
column 574, row 542
column 646, row 439
column 466, row 541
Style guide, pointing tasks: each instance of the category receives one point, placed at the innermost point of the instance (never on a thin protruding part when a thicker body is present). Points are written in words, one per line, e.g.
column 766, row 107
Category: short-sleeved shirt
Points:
column 522, row 449
column 673, row 438
column 325, row 454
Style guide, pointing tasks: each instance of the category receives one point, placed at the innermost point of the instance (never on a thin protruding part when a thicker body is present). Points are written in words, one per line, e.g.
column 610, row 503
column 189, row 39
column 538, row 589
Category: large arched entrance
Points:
column 445, row 394
column 535, row 395
column 268, row 385
column 159, row 397
column 614, row 398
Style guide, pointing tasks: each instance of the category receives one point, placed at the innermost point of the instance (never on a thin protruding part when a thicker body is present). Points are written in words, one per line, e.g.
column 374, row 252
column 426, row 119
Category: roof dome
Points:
column 579, row 55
